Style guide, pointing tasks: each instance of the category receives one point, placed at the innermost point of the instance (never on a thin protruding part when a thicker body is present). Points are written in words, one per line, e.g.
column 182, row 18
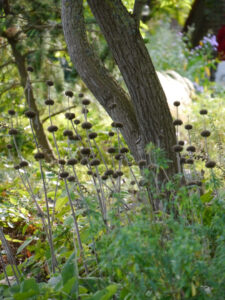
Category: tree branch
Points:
column 58, row 113
column 137, row 11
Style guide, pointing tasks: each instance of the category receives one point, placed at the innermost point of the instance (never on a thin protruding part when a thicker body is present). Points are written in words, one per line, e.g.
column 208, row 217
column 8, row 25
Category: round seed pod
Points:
column 118, row 156
column 70, row 116
column 52, row 128
column 181, row 143
column 72, row 161
column 49, row 102
column 119, row 125
column 104, row 177
column 132, row 182
column 108, row 172
column 198, row 182
column 177, row 148
column 205, row 133
column 86, row 101
column 68, row 132
column 112, row 106
column 89, row 172
column 85, row 110
column 76, row 122
column 85, row 151
column 49, row 82
column 111, row 150
column 9, row 146
column 177, row 122
column 203, row 112
column 72, row 138
column 191, row 148
column 23, row 164
column 13, row 131
column 113, row 124
column 30, row 114
column 124, row 150
column 17, row 167
column 182, row 160
column 11, row 112
column 84, row 161
column 71, row 178
column 115, row 175
column 142, row 163
column 92, row 135
column 210, row 164
column 69, row 94
column 189, row 161
column 119, row 173
column 64, row 174
column 176, row 103
column 81, row 95
column 86, row 125
column 188, row 126
column 95, row 162
column 111, row 133
column 62, row 162
column 39, row 156
column 92, row 155
column 77, row 137
column 30, row 69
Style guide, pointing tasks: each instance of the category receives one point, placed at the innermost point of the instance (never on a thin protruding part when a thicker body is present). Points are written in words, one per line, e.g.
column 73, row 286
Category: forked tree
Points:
column 143, row 108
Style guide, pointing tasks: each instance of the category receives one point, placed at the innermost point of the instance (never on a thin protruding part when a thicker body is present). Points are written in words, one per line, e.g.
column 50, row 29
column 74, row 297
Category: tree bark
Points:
column 36, row 122
column 150, row 111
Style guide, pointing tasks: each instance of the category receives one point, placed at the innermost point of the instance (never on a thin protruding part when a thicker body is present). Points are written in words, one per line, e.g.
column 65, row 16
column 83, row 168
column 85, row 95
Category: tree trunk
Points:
column 152, row 121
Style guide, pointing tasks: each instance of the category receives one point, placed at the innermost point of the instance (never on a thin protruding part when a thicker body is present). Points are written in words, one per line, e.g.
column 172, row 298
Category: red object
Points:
column 221, row 43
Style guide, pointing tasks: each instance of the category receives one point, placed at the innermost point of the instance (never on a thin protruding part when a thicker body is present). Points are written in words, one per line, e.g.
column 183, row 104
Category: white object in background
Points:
column 220, row 73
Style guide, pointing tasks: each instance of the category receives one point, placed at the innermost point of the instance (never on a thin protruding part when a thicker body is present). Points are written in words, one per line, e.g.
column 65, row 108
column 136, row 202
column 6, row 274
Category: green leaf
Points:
column 207, row 197
column 105, row 294
column 25, row 244
column 60, row 202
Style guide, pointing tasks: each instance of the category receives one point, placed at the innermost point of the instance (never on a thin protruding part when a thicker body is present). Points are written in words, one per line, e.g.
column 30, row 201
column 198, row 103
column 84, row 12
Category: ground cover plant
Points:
column 95, row 225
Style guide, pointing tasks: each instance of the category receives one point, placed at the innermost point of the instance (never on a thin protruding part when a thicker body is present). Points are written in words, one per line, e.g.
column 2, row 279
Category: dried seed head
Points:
column 76, row 121
column 71, row 178
column 23, row 164
column 30, row 69
column 113, row 124
column 85, row 151
column 84, row 161
column 92, row 135
column 210, row 164
column 13, row 131
column 72, row 161
column 176, row 103
column 86, row 102
column 124, row 150
column 17, row 167
column 72, row 138
column 39, row 156
column 49, row 102
column 52, row 128
column 111, row 150
column 108, row 172
column 111, row 133
column 62, row 162
column 70, row 116
column 104, row 177
column 81, row 95
column 115, row 175
column 177, row 122
column 203, row 112
column 118, row 156
column 9, row 146
column 95, row 162
column 191, row 148
column 68, row 132
column 89, row 172
column 85, row 110
column 11, row 112
column 119, row 125
column 181, row 143
column 142, row 163
column 177, row 148
column 119, row 173
column 182, row 160
column 189, row 161
column 205, row 133
column 86, row 125
column 49, row 82
column 132, row 182
column 64, row 174
column 112, row 106
column 30, row 114
column 188, row 126
column 77, row 137
column 69, row 94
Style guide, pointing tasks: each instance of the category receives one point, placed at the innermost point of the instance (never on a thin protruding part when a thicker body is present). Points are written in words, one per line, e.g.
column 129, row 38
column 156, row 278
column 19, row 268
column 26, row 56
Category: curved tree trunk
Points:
column 147, row 108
